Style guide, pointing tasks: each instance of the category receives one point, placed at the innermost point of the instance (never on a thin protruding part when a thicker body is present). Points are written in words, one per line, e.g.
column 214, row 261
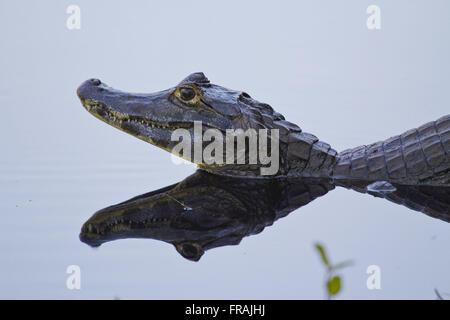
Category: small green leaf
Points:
column 334, row 285
column 322, row 254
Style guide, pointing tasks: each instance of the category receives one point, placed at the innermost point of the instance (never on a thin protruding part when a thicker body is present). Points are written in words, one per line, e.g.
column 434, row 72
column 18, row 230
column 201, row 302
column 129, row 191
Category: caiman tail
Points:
column 412, row 169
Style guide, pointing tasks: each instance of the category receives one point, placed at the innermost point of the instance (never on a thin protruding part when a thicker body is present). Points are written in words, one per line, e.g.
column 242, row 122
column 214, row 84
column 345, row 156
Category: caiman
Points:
column 412, row 169
column 417, row 157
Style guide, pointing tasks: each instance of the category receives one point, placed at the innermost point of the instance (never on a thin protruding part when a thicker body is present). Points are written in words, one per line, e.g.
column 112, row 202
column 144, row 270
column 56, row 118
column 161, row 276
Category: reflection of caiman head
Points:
column 202, row 212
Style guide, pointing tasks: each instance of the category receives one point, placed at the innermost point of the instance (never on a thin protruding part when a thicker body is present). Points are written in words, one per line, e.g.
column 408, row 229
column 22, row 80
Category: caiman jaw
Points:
column 120, row 220
column 162, row 214
column 132, row 113
column 121, row 120
column 94, row 234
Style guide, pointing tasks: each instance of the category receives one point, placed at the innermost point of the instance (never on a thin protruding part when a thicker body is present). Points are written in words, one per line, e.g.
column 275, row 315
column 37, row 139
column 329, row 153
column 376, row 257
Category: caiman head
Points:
column 154, row 117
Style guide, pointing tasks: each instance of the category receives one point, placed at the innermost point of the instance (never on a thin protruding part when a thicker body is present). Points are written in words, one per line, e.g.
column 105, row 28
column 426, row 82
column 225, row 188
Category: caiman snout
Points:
column 88, row 88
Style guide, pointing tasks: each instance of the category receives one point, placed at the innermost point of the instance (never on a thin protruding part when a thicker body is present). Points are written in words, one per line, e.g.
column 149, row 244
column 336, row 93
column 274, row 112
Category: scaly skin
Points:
column 417, row 157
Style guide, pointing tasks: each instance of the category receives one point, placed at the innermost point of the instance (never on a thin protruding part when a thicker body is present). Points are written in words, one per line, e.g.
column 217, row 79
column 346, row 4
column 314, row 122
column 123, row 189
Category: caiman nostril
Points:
column 95, row 82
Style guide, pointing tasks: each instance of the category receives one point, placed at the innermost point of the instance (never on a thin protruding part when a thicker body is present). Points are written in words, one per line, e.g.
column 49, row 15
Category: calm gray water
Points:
column 316, row 63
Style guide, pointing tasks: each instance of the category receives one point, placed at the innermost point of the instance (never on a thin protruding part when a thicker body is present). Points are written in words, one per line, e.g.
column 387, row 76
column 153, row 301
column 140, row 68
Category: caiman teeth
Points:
column 121, row 224
column 114, row 116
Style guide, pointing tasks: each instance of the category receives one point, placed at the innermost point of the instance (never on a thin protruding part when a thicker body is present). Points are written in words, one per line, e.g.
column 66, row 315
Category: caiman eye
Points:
column 187, row 94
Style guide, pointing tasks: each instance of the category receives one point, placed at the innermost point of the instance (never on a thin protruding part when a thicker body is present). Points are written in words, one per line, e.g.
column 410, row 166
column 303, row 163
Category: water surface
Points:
column 315, row 63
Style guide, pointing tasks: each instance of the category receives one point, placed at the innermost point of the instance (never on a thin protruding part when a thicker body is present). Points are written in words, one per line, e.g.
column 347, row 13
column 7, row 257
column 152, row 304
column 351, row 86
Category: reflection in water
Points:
column 205, row 211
